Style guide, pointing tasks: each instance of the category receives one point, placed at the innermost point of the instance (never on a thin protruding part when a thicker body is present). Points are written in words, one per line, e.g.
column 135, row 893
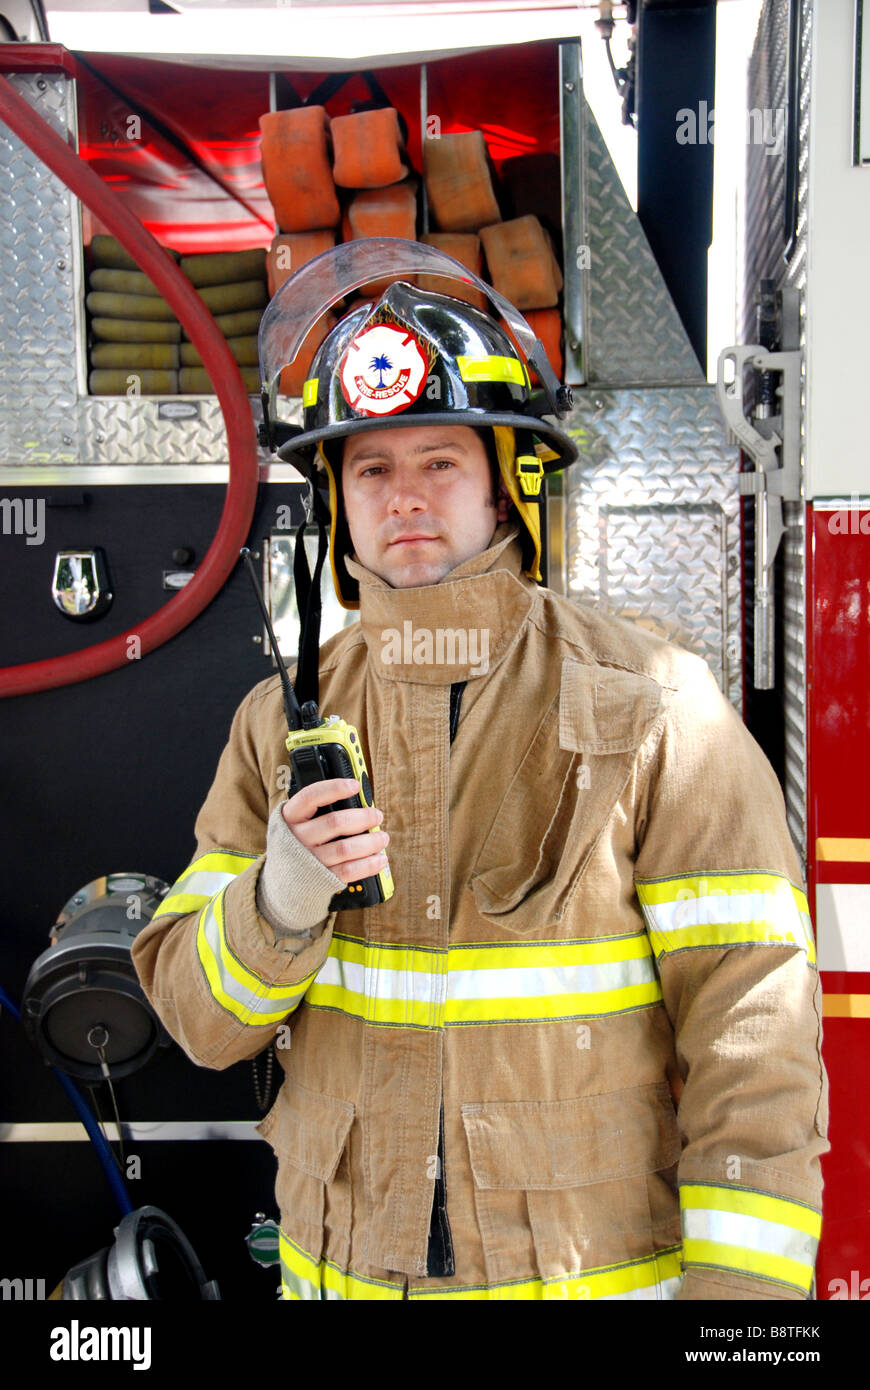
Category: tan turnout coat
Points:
column 597, row 956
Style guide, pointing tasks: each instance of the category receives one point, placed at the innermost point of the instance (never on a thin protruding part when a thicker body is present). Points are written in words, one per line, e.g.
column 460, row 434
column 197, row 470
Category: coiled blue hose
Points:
column 104, row 1153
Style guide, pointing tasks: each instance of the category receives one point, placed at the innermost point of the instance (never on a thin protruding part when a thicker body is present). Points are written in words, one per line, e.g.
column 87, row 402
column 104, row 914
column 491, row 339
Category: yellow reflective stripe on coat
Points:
column 429, row 988
column 657, row 1277
column 201, row 880
column 303, row 1278
column 236, row 988
column 750, row 1233
column 736, row 909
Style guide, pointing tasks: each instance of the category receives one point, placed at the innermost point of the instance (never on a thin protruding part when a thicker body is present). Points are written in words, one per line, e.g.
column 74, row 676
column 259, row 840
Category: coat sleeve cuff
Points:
column 709, row 1285
column 252, row 940
column 294, row 889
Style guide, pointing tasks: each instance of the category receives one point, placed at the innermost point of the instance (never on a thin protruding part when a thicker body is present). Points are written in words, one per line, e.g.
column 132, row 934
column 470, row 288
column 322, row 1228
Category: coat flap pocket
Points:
column 308, row 1129
column 568, row 1143
column 603, row 710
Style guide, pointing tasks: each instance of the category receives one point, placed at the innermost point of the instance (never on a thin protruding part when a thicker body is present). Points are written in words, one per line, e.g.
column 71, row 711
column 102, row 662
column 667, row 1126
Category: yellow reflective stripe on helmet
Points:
column 309, row 391
column 493, row 368
column 201, row 880
column 750, row 1233
column 303, row 1278
column 429, row 988
column 236, row 988
column 735, row 909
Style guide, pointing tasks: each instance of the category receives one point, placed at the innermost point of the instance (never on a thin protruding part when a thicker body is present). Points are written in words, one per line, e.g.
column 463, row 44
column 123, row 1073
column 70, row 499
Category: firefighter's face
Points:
column 418, row 501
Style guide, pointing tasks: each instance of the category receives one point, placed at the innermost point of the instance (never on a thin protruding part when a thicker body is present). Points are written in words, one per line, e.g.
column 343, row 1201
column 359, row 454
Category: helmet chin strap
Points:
column 308, row 598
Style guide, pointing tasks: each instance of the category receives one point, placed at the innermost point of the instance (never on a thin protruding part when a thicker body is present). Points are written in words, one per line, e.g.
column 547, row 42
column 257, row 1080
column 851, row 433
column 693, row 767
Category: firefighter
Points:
column 577, row 1053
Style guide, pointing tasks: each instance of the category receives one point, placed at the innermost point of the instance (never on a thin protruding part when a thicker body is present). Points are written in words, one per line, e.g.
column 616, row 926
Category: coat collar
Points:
column 456, row 630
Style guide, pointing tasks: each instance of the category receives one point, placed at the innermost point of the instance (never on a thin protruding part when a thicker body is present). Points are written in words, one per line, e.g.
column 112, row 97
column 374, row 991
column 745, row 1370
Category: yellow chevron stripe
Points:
column 760, row 1204
column 668, row 890
column 249, row 982
column 306, row 1278
column 533, row 1008
column 218, row 863
column 733, row 909
column 742, row 1260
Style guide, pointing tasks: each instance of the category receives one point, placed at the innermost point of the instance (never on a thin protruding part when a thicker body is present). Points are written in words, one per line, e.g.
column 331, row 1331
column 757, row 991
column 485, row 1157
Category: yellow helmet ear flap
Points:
column 343, row 599
column 520, row 477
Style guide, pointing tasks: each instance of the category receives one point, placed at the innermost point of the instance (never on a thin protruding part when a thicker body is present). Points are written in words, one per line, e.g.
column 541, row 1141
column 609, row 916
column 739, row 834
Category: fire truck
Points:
column 725, row 504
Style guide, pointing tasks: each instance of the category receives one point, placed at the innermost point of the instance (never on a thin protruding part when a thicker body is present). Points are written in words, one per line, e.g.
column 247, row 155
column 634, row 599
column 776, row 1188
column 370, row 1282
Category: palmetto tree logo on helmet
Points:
column 384, row 369
column 381, row 364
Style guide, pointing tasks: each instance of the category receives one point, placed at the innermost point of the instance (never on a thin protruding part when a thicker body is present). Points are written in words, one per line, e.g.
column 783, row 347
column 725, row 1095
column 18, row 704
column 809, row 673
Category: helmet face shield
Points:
column 336, row 273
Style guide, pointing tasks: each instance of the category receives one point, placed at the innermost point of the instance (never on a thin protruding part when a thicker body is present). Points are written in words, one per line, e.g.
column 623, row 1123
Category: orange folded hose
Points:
column 382, row 212
column 290, row 250
column 521, row 263
column 463, row 247
column 459, row 183
column 297, row 168
column 295, row 374
column 367, row 149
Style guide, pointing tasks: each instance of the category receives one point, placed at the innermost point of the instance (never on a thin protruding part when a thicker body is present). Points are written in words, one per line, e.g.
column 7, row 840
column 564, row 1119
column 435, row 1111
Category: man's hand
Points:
column 340, row 839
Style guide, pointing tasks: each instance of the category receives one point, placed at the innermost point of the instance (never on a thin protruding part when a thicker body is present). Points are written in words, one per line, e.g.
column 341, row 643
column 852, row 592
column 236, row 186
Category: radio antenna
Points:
column 291, row 704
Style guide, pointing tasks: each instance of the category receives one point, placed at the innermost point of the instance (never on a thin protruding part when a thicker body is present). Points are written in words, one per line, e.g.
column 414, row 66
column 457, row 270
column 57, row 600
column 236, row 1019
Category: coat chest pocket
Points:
column 558, row 803
column 309, row 1132
column 567, row 1186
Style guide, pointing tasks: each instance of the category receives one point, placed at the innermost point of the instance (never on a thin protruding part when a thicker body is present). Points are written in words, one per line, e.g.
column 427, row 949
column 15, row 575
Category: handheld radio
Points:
column 320, row 749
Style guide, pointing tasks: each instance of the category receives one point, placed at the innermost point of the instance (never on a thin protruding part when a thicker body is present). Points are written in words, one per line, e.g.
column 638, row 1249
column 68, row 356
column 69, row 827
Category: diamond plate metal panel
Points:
column 764, row 257
column 633, row 334
column 684, row 547
column 39, row 287
column 652, row 519
column 130, row 431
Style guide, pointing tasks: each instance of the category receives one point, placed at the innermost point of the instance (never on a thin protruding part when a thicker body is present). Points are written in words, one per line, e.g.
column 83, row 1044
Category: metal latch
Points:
column 773, row 444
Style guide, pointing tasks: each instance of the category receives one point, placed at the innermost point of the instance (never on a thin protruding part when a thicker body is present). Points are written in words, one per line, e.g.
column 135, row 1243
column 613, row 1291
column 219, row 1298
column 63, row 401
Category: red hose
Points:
column 201, row 328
